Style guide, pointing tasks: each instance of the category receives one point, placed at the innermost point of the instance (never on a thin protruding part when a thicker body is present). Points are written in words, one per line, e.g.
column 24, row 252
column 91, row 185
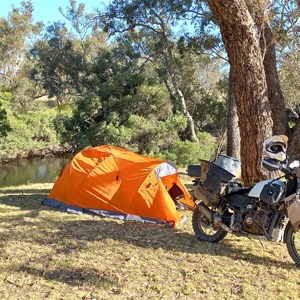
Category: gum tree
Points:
column 249, row 82
column 155, row 19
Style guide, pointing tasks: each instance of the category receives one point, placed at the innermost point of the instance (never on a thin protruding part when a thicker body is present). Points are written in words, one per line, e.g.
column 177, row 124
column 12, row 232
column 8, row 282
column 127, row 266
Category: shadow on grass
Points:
column 64, row 233
column 149, row 236
column 25, row 198
column 74, row 276
column 24, row 202
column 71, row 237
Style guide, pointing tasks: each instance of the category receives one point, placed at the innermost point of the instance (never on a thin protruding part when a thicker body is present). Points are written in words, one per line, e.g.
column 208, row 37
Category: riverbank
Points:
column 55, row 151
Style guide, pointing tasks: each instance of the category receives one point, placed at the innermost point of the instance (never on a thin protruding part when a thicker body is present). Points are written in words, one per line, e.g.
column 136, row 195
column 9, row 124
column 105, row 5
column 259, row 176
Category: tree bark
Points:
column 233, row 130
column 294, row 144
column 275, row 95
column 249, row 83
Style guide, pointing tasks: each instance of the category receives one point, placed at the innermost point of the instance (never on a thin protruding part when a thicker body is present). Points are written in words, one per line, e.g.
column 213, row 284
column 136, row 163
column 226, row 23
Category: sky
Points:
column 47, row 10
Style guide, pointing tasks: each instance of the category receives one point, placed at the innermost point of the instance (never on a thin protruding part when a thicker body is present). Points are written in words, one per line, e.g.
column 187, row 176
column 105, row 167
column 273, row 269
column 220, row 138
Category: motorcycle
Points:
column 267, row 211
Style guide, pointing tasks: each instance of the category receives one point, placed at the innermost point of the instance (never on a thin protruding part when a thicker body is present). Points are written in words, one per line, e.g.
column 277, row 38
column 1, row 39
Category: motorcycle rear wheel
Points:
column 293, row 243
column 204, row 229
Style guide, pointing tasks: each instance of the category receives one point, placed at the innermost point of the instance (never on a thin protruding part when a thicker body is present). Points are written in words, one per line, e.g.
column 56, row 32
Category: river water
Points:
column 34, row 170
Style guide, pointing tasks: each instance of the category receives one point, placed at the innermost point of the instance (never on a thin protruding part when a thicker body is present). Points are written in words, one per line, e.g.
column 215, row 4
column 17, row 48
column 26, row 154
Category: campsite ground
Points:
column 46, row 254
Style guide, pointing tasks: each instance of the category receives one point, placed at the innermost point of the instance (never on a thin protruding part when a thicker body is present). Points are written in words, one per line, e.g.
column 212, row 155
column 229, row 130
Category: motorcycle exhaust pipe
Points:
column 217, row 221
column 212, row 217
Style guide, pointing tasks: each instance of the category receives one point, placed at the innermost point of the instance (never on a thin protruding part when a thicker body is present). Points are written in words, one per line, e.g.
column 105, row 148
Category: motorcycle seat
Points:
column 240, row 190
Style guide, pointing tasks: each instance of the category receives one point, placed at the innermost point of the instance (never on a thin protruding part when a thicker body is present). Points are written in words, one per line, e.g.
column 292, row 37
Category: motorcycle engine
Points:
column 248, row 215
column 256, row 222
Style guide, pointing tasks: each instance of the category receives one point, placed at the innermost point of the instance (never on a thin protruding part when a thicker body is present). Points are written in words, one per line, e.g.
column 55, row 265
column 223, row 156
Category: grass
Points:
column 46, row 254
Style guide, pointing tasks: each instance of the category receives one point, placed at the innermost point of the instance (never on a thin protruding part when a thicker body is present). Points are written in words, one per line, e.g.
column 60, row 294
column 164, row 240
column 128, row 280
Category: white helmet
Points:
column 275, row 147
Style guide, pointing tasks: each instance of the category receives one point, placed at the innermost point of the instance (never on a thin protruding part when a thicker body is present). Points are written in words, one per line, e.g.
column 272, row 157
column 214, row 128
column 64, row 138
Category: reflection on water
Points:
column 35, row 170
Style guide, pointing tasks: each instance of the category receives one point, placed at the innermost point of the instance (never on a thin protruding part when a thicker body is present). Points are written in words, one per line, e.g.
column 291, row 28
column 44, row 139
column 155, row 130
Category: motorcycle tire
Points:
column 204, row 229
column 293, row 243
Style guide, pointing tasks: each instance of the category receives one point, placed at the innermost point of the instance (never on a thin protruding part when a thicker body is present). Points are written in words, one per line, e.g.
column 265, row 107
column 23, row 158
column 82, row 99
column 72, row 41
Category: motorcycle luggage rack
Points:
column 214, row 178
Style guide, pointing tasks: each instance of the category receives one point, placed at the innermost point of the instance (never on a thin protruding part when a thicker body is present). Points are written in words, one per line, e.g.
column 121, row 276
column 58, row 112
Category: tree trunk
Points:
column 294, row 144
column 275, row 95
column 171, row 72
column 249, row 83
column 233, row 130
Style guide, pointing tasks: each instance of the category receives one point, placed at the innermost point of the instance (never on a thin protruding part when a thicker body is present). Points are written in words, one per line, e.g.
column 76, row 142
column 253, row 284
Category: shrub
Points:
column 186, row 152
column 108, row 133
column 151, row 136
column 29, row 132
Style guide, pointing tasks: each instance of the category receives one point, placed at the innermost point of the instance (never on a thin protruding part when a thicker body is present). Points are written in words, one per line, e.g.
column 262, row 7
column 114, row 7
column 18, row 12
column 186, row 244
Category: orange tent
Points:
column 116, row 182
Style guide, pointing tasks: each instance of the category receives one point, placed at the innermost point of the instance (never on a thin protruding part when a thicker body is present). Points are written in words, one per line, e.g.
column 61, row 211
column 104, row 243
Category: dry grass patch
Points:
column 46, row 254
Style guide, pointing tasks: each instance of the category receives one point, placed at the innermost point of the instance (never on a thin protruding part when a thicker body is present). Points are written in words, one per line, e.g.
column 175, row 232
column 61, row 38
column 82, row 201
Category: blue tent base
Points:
column 104, row 213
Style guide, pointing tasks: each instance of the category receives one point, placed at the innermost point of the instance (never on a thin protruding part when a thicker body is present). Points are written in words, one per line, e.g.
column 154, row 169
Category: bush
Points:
column 151, row 136
column 29, row 132
column 4, row 124
column 61, row 122
column 108, row 133
column 183, row 153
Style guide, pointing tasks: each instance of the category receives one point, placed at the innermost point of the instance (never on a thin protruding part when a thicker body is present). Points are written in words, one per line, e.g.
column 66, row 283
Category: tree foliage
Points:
column 151, row 76
column 15, row 33
column 4, row 124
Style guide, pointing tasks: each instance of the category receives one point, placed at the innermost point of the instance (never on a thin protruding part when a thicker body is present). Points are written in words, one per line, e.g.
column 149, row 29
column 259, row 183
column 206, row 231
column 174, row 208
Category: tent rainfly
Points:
column 115, row 182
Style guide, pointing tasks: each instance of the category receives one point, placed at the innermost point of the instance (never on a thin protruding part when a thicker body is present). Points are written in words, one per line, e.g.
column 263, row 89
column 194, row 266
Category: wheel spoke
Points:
column 205, row 230
column 206, row 226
